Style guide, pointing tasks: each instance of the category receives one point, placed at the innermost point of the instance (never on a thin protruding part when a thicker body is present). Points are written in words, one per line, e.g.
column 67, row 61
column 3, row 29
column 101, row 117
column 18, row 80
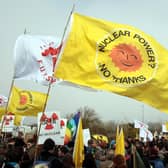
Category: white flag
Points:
column 139, row 124
column 3, row 101
column 146, row 134
column 35, row 58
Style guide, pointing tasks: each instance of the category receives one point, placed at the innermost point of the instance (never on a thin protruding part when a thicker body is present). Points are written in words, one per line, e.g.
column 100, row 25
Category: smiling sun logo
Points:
column 24, row 101
column 125, row 58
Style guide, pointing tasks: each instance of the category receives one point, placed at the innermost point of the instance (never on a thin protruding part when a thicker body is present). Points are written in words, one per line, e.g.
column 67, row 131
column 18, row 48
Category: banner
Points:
column 8, row 124
column 50, row 127
column 35, row 58
column 63, row 124
column 26, row 102
column 117, row 58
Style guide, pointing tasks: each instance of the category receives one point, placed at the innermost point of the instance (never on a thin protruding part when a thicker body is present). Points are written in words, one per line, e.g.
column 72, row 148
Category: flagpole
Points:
column 38, row 131
column 50, row 83
column 9, row 96
column 6, row 107
column 66, row 26
column 143, row 113
column 133, row 154
column 45, row 104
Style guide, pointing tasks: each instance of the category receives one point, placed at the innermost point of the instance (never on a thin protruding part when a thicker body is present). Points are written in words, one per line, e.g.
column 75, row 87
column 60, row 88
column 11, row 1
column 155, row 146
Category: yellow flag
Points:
column 117, row 138
column 117, row 58
column 2, row 112
column 18, row 120
column 120, row 143
column 117, row 132
column 26, row 102
column 78, row 152
column 166, row 124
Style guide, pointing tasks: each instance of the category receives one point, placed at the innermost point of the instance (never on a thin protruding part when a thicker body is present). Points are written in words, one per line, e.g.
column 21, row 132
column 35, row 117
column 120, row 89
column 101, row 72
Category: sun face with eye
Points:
column 126, row 57
column 24, row 100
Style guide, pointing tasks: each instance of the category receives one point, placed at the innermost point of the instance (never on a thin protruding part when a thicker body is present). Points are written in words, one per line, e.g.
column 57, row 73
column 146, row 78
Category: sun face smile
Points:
column 126, row 57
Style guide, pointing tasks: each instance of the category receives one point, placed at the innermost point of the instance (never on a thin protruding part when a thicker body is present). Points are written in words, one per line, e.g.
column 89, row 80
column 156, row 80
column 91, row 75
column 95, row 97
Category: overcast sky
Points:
column 48, row 17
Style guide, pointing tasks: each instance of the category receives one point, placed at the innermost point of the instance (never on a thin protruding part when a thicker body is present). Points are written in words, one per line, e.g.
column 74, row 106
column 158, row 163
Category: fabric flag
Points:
column 166, row 124
column 120, row 143
column 145, row 134
column 138, row 163
column 18, row 120
column 71, row 128
column 117, row 137
column 117, row 132
column 143, row 130
column 139, row 124
column 3, row 101
column 2, row 112
column 35, row 58
column 164, row 128
column 78, row 152
column 117, row 58
column 26, row 102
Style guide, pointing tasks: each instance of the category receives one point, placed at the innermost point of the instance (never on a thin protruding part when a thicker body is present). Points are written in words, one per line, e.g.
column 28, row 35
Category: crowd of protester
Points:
column 17, row 153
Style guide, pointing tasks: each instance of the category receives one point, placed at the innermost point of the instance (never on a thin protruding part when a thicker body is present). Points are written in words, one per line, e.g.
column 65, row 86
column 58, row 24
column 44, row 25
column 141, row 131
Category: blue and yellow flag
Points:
column 117, row 58
column 25, row 102
column 78, row 151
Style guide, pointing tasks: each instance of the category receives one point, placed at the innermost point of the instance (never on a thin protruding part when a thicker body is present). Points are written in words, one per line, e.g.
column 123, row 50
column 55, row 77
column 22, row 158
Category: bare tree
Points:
column 155, row 126
column 90, row 119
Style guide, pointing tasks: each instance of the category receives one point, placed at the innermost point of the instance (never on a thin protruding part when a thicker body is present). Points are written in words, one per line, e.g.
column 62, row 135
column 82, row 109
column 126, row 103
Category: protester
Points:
column 119, row 162
column 47, row 155
column 107, row 163
column 29, row 154
column 62, row 151
column 89, row 161
column 67, row 161
column 153, row 155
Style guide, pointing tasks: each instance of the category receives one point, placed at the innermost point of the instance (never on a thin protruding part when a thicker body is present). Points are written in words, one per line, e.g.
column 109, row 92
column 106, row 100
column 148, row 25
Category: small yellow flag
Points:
column 25, row 102
column 2, row 112
column 120, row 143
column 117, row 132
column 115, row 57
column 18, row 120
column 166, row 124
